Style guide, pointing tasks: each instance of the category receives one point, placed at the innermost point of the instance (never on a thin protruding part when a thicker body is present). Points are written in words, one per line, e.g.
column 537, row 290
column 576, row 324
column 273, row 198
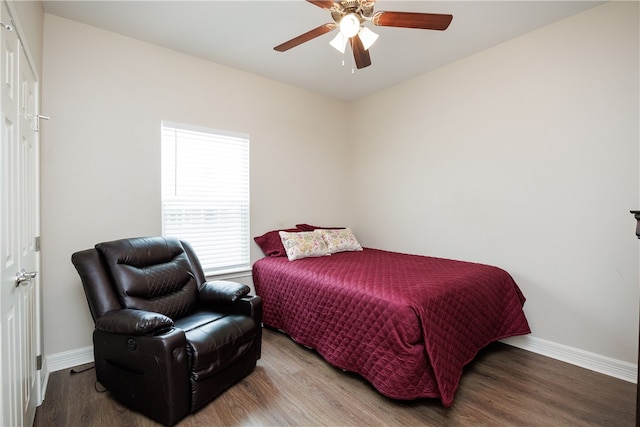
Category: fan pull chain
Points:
column 353, row 70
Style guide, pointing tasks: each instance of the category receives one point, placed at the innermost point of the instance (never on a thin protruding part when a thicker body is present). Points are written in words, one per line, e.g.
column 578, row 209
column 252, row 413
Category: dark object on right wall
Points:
column 166, row 342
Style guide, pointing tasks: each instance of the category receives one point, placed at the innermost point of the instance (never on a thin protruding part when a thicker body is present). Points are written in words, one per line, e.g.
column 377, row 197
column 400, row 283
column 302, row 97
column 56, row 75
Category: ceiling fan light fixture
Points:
column 349, row 25
column 367, row 37
column 350, row 16
column 339, row 42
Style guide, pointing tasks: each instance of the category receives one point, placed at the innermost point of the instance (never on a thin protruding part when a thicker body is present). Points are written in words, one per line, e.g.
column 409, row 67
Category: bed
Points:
column 406, row 323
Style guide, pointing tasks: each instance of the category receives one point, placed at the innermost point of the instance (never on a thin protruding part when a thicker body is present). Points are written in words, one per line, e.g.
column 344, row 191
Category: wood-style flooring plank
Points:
column 294, row 386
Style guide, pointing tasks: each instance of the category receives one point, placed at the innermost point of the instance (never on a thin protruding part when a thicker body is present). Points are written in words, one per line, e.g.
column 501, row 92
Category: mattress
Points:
column 406, row 323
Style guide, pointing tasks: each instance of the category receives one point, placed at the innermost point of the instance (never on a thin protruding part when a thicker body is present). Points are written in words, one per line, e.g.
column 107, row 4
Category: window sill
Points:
column 226, row 275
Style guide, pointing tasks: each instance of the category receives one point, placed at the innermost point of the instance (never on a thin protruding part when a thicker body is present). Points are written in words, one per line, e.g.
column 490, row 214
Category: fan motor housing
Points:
column 362, row 8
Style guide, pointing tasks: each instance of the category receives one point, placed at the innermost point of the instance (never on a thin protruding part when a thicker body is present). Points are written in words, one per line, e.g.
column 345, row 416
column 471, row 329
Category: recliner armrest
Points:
column 222, row 292
column 250, row 305
column 134, row 322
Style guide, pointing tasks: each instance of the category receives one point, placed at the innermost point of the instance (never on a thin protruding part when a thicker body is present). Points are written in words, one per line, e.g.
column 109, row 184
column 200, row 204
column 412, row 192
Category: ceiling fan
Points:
column 350, row 17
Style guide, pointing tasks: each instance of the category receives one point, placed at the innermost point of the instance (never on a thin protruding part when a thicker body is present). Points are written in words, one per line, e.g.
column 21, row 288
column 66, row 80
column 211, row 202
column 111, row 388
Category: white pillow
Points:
column 303, row 244
column 340, row 240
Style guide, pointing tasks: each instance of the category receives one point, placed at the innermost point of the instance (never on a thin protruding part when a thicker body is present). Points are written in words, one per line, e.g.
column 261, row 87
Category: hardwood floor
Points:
column 293, row 386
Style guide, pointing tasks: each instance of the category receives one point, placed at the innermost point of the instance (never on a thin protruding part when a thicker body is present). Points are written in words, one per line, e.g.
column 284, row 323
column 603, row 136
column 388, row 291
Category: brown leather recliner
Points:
column 166, row 341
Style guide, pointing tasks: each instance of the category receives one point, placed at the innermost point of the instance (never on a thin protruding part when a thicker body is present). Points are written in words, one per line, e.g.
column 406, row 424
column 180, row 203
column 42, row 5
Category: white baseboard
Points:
column 605, row 365
column 60, row 361
column 69, row 359
column 43, row 379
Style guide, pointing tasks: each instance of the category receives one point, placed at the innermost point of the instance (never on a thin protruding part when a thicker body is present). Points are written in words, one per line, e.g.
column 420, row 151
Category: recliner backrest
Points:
column 152, row 273
column 97, row 283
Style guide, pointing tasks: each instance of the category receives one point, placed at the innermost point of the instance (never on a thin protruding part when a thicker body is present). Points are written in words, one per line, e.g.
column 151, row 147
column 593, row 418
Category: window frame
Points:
column 217, row 209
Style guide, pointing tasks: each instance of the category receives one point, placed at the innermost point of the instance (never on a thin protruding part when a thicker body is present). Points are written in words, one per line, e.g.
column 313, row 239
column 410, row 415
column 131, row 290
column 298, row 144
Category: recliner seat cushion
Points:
column 215, row 341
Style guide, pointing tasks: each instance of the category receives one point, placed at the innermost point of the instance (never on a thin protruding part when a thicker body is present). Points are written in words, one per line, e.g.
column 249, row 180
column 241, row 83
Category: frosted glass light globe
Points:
column 349, row 25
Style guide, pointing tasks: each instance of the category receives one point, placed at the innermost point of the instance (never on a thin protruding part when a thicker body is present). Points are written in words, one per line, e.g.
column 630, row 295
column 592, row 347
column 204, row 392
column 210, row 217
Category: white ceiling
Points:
column 241, row 34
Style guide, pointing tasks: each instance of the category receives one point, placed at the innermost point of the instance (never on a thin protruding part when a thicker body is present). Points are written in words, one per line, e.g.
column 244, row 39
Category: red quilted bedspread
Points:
column 406, row 323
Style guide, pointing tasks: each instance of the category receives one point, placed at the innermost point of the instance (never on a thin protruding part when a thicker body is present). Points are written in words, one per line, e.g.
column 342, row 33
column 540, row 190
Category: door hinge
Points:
column 38, row 362
column 38, row 244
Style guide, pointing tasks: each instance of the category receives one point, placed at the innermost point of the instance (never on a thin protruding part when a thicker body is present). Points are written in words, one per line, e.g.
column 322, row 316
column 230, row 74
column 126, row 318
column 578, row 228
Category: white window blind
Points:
column 205, row 194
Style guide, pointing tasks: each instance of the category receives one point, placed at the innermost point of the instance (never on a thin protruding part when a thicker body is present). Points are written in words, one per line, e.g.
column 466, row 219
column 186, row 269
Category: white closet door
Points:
column 18, row 231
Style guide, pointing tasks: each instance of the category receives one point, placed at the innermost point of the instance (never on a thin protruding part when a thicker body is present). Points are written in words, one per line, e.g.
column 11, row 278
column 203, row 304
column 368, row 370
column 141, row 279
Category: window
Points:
column 205, row 194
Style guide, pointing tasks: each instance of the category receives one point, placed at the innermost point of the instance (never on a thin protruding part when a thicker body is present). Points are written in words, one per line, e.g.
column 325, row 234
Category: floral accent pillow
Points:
column 303, row 245
column 341, row 240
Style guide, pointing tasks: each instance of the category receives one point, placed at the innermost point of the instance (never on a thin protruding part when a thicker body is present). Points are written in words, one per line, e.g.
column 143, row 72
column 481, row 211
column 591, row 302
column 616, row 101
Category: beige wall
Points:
column 107, row 95
column 524, row 156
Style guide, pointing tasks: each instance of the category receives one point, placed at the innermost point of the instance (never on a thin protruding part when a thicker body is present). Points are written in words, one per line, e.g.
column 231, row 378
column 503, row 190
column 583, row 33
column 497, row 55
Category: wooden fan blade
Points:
column 424, row 21
column 325, row 4
column 359, row 53
column 309, row 35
